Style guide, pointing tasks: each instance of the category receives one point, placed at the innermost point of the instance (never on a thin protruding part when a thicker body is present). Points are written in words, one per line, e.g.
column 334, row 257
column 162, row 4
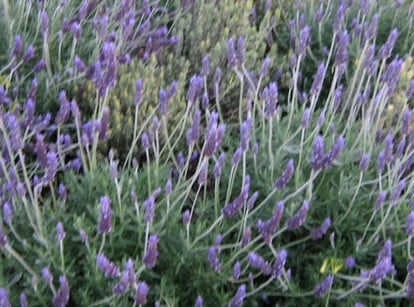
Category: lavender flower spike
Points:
column 62, row 296
column 410, row 224
column 237, row 300
column 279, row 263
column 268, row 228
column 257, row 261
column 318, row 153
column 105, row 220
column 299, row 218
column 286, row 176
column 324, row 286
column 107, row 267
column 199, row 301
column 141, row 294
column 319, row 232
column 4, row 298
column 151, row 256
column 60, row 231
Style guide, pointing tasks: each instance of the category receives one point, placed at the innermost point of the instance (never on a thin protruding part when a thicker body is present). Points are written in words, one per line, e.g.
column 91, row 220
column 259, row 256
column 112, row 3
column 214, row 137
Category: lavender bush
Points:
column 302, row 194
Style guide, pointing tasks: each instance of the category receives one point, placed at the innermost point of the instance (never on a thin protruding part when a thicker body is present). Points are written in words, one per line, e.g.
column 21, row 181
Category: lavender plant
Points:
column 301, row 196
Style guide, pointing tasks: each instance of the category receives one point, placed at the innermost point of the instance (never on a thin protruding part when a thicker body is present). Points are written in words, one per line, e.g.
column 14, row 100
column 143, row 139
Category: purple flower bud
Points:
column 214, row 135
column 371, row 30
column 318, row 153
column 286, row 176
column 386, row 49
column 334, row 152
column 410, row 224
column 217, row 76
column 231, row 53
column 240, row 50
column 219, row 165
column 383, row 265
column 237, row 157
column 363, row 164
column 62, row 296
column 304, row 40
column 406, row 121
column 194, row 132
column 195, row 88
column 236, row 270
column 279, row 264
column 129, row 268
column 23, row 300
column 39, row 66
column 142, row 292
column 267, row 228
column 341, row 58
column 186, row 217
column 401, row 147
column 202, row 178
column 319, row 232
column 60, row 231
column 163, row 102
column 199, row 301
column 218, row 240
column 149, row 206
column 270, row 95
column 410, row 90
column 18, row 46
column 349, row 262
column 265, row 67
column 247, row 234
column 380, row 200
column 104, row 124
column 168, row 187
column 324, row 286
column 410, row 284
column 381, row 161
column 252, row 200
column 245, row 130
column 150, row 258
column 122, row 285
column 318, row 80
column 205, row 68
column 105, row 220
column 7, row 213
column 299, row 218
column 396, row 193
column 29, row 54
column 47, row 276
column 213, row 258
column 238, row 298
column 107, row 267
column 83, row 235
column 257, row 261
column 4, row 298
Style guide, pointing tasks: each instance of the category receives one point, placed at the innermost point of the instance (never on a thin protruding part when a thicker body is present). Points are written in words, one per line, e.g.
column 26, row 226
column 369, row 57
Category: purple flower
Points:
column 383, row 265
column 129, row 268
column 237, row 157
column 17, row 46
column 299, row 218
column 199, row 301
column 213, row 259
column 23, row 300
column 234, row 206
column 186, row 217
column 83, row 235
column 195, row 88
column 151, row 255
column 334, row 152
column 62, row 296
column 245, row 129
column 47, row 275
column 138, row 92
column 257, row 261
column 202, row 178
column 107, row 267
column 39, row 66
column 409, row 230
column 149, row 206
column 231, row 53
column 214, row 135
column 271, row 98
column 363, row 164
column 318, row 80
column 105, row 220
column 236, row 270
column 246, row 236
column 279, row 264
column 142, row 292
column 396, row 193
column 252, row 200
column 238, row 298
column 305, row 118
column 304, row 40
column 194, row 132
column 122, row 285
column 349, row 262
column 4, row 298
column 386, row 49
column 318, row 153
column 321, row 230
column 79, row 64
column 60, row 231
column 265, row 67
column 410, row 286
column 380, row 200
column 267, row 228
column 324, row 286
column 219, row 165
column 286, row 176
column 205, row 68
column 7, row 213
